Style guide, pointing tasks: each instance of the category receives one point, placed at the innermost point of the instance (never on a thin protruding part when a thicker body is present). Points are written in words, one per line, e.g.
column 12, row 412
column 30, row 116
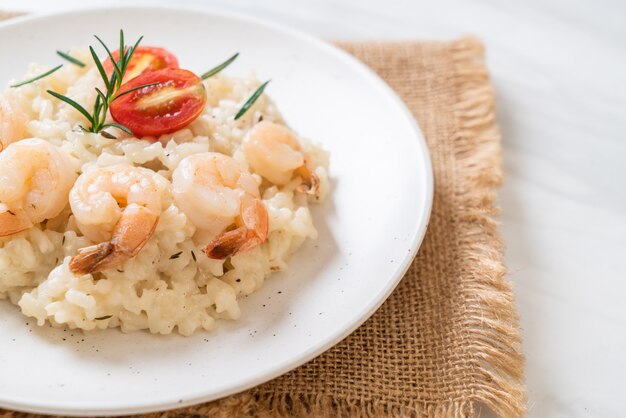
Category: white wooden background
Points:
column 559, row 69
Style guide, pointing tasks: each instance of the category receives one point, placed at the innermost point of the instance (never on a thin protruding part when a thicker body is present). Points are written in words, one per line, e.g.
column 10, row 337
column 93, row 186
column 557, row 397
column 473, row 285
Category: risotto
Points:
column 150, row 230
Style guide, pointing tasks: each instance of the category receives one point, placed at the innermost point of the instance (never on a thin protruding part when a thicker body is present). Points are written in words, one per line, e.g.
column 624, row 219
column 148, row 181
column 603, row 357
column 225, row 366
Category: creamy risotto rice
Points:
column 170, row 284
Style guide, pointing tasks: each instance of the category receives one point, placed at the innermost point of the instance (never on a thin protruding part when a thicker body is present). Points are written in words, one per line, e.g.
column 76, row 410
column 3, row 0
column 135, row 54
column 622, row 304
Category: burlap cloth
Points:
column 447, row 341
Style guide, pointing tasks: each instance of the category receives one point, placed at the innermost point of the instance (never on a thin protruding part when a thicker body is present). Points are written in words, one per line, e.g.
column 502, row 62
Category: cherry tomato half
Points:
column 145, row 58
column 166, row 107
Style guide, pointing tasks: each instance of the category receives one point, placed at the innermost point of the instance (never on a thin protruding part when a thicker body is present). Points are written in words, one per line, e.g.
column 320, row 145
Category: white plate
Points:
column 370, row 228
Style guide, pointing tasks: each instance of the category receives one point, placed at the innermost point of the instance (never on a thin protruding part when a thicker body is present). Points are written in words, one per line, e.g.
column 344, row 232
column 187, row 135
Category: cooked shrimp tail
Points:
column 134, row 229
column 13, row 222
column 251, row 232
column 131, row 233
column 227, row 244
column 254, row 218
column 310, row 182
column 88, row 259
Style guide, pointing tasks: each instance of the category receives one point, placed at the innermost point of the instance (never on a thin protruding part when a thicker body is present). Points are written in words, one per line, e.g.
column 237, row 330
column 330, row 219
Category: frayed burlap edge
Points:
column 492, row 322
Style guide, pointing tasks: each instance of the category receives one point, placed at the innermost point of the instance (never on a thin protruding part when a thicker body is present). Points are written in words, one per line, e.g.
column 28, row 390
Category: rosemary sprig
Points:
column 71, row 59
column 248, row 104
column 40, row 76
column 112, row 84
column 219, row 68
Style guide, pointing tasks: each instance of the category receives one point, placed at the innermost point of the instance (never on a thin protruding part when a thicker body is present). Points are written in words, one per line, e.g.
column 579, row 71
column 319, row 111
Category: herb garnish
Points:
column 40, row 76
column 248, row 104
column 112, row 86
column 219, row 68
column 71, row 59
column 107, row 135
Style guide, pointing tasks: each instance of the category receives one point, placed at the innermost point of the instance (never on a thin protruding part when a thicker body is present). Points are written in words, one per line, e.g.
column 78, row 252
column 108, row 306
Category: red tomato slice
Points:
column 145, row 58
column 167, row 107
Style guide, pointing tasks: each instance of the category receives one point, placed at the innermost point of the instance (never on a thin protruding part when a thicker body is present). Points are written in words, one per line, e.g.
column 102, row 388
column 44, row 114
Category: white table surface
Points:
column 559, row 69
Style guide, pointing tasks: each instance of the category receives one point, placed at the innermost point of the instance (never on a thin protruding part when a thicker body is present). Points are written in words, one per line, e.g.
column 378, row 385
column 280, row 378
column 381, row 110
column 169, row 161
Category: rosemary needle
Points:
column 219, row 68
column 248, row 104
column 40, row 76
column 73, row 104
column 71, row 59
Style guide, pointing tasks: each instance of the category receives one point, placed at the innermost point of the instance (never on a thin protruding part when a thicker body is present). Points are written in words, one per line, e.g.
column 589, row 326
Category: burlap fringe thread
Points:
column 493, row 319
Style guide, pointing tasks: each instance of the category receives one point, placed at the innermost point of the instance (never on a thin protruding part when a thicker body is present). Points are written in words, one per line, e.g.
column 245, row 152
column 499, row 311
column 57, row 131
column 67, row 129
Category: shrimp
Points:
column 274, row 152
column 12, row 124
column 118, row 207
column 35, row 179
column 220, row 198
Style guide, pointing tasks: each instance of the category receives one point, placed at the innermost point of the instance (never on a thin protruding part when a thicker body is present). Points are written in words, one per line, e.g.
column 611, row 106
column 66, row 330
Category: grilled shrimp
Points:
column 274, row 152
column 35, row 179
column 12, row 124
column 118, row 207
column 220, row 198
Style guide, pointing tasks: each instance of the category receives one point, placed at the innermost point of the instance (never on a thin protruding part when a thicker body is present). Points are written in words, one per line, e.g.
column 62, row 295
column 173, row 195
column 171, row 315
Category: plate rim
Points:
column 418, row 232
